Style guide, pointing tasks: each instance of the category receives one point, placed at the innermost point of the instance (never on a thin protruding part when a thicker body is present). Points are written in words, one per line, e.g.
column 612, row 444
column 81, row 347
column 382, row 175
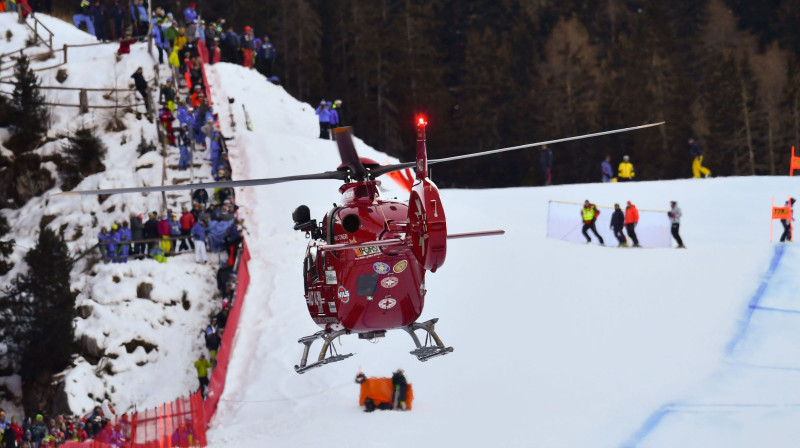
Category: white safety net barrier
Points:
column 564, row 222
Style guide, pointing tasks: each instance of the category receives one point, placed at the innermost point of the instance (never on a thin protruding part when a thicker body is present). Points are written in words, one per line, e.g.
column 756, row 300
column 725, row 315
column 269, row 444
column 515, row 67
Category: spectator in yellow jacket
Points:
column 202, row 365
column 626, row 172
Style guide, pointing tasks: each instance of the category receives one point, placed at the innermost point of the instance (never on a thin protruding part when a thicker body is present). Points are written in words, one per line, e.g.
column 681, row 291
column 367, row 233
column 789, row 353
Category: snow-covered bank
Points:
column 138, row 337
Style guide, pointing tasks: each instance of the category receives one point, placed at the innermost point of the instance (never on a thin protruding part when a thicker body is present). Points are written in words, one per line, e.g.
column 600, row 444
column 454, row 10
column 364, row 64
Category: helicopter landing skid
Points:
column 321, row 360
column 427, row 351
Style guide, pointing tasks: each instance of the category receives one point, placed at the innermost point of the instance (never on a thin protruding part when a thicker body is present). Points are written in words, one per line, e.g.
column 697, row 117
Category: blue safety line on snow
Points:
column 648, row 426
column 777, row 310
column 656, row 417
column 759, row 294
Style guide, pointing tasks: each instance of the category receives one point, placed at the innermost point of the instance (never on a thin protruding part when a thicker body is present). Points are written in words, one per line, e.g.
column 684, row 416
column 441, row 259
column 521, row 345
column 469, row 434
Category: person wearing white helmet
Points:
column 625, row 171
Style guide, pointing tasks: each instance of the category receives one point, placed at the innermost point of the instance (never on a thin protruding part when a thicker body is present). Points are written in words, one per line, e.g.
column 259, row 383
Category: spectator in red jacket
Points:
column 631, row 219
column 167, row 118
column 187, row 222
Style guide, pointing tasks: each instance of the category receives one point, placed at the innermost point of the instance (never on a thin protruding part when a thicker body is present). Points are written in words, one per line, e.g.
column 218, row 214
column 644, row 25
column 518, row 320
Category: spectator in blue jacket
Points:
column 125, row 237
column 324, row 120
column 183, row 115
column 184, row 143
column 83, row 16
column 118, row 15
column 141, row 13
column 103, row 239
column 265, row 55
column 113, row 244
column 159, row 40
column 217, row 230
column 99, row 14
column 199, row 238
column 606, row 169
column 334, row 116
column 190, row 14
column 230, row 46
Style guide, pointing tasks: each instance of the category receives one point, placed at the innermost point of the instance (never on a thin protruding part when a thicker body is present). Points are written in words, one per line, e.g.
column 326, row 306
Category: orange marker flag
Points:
column 794, row 164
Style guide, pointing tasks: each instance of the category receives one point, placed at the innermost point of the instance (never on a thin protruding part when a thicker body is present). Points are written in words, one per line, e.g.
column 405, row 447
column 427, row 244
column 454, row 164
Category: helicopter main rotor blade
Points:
column 455, row 236
column 377, row 171
column 347, row 151
column 335, row 175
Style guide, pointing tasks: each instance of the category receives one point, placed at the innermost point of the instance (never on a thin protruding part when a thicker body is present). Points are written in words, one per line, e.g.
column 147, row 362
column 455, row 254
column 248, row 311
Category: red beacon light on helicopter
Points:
column 421, row 121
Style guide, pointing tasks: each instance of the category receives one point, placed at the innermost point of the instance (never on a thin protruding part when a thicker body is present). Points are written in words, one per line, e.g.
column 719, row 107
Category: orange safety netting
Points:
column 178, row 423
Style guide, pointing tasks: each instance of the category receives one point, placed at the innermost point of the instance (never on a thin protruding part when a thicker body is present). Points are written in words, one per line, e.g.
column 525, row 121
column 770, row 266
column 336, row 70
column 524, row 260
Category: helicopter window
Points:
column 367, row 284
column 310, row 268
column 351, row 223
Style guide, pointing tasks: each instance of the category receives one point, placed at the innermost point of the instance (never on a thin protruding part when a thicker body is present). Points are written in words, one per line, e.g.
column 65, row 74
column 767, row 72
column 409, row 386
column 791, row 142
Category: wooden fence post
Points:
column 83, row 99
column 65, row 52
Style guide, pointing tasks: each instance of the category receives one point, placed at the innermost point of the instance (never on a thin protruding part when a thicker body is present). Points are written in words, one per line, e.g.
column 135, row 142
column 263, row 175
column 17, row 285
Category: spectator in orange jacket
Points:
column 197, row 97
column 631, row 219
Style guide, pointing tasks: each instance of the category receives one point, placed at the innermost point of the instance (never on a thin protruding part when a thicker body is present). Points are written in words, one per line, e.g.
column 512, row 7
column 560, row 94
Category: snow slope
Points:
column 556, row 344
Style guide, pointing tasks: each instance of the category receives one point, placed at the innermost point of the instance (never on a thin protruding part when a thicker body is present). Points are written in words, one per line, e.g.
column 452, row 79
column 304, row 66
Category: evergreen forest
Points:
column 490, row 74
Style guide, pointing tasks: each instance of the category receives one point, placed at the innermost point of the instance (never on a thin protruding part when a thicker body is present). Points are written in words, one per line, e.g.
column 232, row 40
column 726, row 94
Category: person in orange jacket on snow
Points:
column 631, row 219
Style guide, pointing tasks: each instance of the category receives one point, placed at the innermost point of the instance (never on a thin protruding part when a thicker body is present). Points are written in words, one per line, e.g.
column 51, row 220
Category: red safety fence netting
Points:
column 217, row 382
column 204, row 57
column 179, row 423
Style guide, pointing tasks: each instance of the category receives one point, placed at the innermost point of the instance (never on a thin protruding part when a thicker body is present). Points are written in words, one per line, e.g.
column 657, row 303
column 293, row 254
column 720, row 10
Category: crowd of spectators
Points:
column 40, row 432
column 211, row 224
column 213, row 228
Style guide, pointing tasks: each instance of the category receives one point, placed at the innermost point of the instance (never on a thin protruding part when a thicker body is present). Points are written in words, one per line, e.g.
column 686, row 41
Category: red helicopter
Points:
column 364, row 268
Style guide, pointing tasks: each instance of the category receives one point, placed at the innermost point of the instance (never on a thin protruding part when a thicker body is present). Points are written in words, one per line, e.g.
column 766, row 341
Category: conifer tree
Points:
column 6, row 247
column 28, row 116
column 83, row 157
column 37, row 314
column 4, row 107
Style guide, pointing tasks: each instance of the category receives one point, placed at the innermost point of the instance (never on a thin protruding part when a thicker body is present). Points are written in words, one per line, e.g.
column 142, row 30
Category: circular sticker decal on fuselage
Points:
column 387, row 303
column 343, row 294
column 390, row 282
column 381, row 267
